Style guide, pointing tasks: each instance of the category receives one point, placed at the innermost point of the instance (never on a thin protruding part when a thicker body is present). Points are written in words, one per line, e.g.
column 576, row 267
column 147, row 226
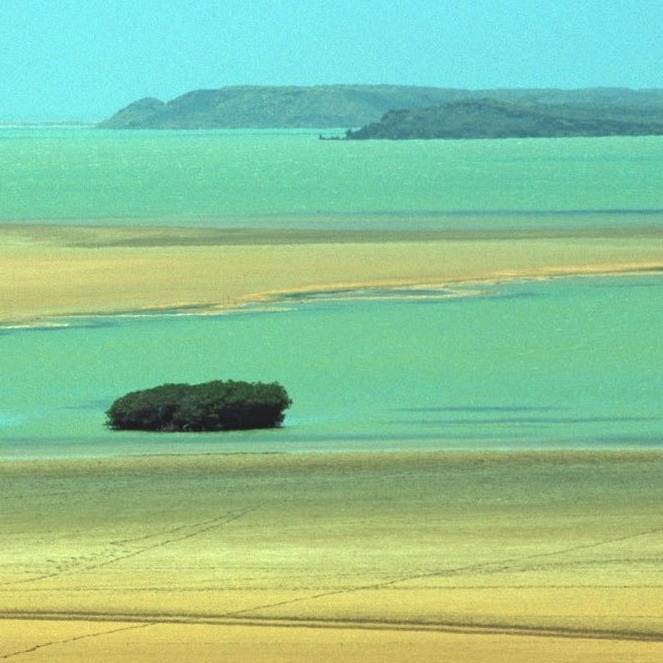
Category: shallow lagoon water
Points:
column 291, row 179
column 571, row 362
column 567, row 362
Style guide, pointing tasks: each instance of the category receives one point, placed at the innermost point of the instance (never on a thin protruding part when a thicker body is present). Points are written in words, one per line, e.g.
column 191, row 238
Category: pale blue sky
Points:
column 84, row 59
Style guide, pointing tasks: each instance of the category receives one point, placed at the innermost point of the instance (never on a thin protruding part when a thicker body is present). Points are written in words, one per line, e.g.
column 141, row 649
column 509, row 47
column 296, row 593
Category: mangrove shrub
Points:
column 211, row 406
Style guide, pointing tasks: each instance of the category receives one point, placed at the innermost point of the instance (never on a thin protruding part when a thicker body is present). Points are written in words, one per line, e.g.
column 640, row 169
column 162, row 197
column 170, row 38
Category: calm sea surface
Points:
column 214, row 177
column 569, row 362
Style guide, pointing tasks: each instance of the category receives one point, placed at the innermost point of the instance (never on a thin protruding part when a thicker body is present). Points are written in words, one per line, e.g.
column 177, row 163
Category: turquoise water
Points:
column 291, row 178
column 570, row 362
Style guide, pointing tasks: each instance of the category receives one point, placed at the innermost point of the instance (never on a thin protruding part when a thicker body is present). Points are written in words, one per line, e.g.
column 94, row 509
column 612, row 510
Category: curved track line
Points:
column 44, row 645
column 499, row 566
column 146, row 620
column 193, row 531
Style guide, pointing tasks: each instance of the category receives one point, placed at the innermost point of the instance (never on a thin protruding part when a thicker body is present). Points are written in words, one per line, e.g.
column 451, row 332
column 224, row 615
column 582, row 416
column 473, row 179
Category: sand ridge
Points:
column 47, row 271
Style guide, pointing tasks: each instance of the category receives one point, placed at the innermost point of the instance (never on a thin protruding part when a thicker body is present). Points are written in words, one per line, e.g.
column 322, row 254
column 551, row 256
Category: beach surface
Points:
column 48, row 271
column 398, row 556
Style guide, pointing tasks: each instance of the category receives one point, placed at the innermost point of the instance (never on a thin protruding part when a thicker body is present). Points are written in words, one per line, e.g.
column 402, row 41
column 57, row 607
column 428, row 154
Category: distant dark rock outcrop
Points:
column 336, row 106
column 488, row 118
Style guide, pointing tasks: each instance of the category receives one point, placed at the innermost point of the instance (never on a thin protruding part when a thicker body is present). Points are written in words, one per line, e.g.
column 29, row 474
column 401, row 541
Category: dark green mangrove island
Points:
column 211, row 406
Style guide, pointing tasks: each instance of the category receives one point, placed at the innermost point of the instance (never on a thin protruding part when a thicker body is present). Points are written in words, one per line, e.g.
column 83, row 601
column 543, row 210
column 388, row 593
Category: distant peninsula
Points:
column 360, row 107
column 488, row 118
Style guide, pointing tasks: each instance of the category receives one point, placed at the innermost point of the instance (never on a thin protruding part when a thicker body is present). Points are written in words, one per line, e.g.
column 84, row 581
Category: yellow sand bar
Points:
column 52, row 270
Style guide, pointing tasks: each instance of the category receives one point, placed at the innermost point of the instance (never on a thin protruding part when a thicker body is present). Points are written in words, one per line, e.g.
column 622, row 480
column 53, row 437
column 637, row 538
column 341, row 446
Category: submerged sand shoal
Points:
column 48, row 271
column 368, row 556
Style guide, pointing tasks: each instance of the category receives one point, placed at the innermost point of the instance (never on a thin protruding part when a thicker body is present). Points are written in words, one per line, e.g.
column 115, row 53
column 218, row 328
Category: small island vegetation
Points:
column 212, row 406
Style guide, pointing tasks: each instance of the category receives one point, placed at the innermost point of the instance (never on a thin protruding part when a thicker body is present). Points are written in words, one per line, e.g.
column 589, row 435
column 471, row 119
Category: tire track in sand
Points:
column 111, row 555
column 489, row 568
column 161, row 619
column 76, row 638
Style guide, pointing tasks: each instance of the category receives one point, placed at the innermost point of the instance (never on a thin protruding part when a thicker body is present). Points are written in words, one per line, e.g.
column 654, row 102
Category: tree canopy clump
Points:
column 211, row 406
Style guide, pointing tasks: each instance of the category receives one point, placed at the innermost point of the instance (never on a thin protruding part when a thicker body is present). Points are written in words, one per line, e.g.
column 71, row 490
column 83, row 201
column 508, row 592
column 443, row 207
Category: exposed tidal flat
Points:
column 63, row 270
column 470, row 334
column 365, row 556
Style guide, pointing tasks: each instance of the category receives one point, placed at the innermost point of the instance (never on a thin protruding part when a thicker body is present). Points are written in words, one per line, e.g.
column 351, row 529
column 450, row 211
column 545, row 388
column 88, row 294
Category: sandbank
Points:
column 369, row 556
column 48, row 271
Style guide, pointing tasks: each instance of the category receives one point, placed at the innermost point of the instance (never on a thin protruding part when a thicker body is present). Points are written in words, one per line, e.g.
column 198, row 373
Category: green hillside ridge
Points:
column 488, row 118
column 326, row 106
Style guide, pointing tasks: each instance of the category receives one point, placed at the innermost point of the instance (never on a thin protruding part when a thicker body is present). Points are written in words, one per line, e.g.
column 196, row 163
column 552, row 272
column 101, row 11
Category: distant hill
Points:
column 345, row 105
column 269, row 107
column 488, row 118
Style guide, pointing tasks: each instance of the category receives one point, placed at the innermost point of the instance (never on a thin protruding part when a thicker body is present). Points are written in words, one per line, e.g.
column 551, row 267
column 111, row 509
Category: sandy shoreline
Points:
column 366, row 556
column 48, row 271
